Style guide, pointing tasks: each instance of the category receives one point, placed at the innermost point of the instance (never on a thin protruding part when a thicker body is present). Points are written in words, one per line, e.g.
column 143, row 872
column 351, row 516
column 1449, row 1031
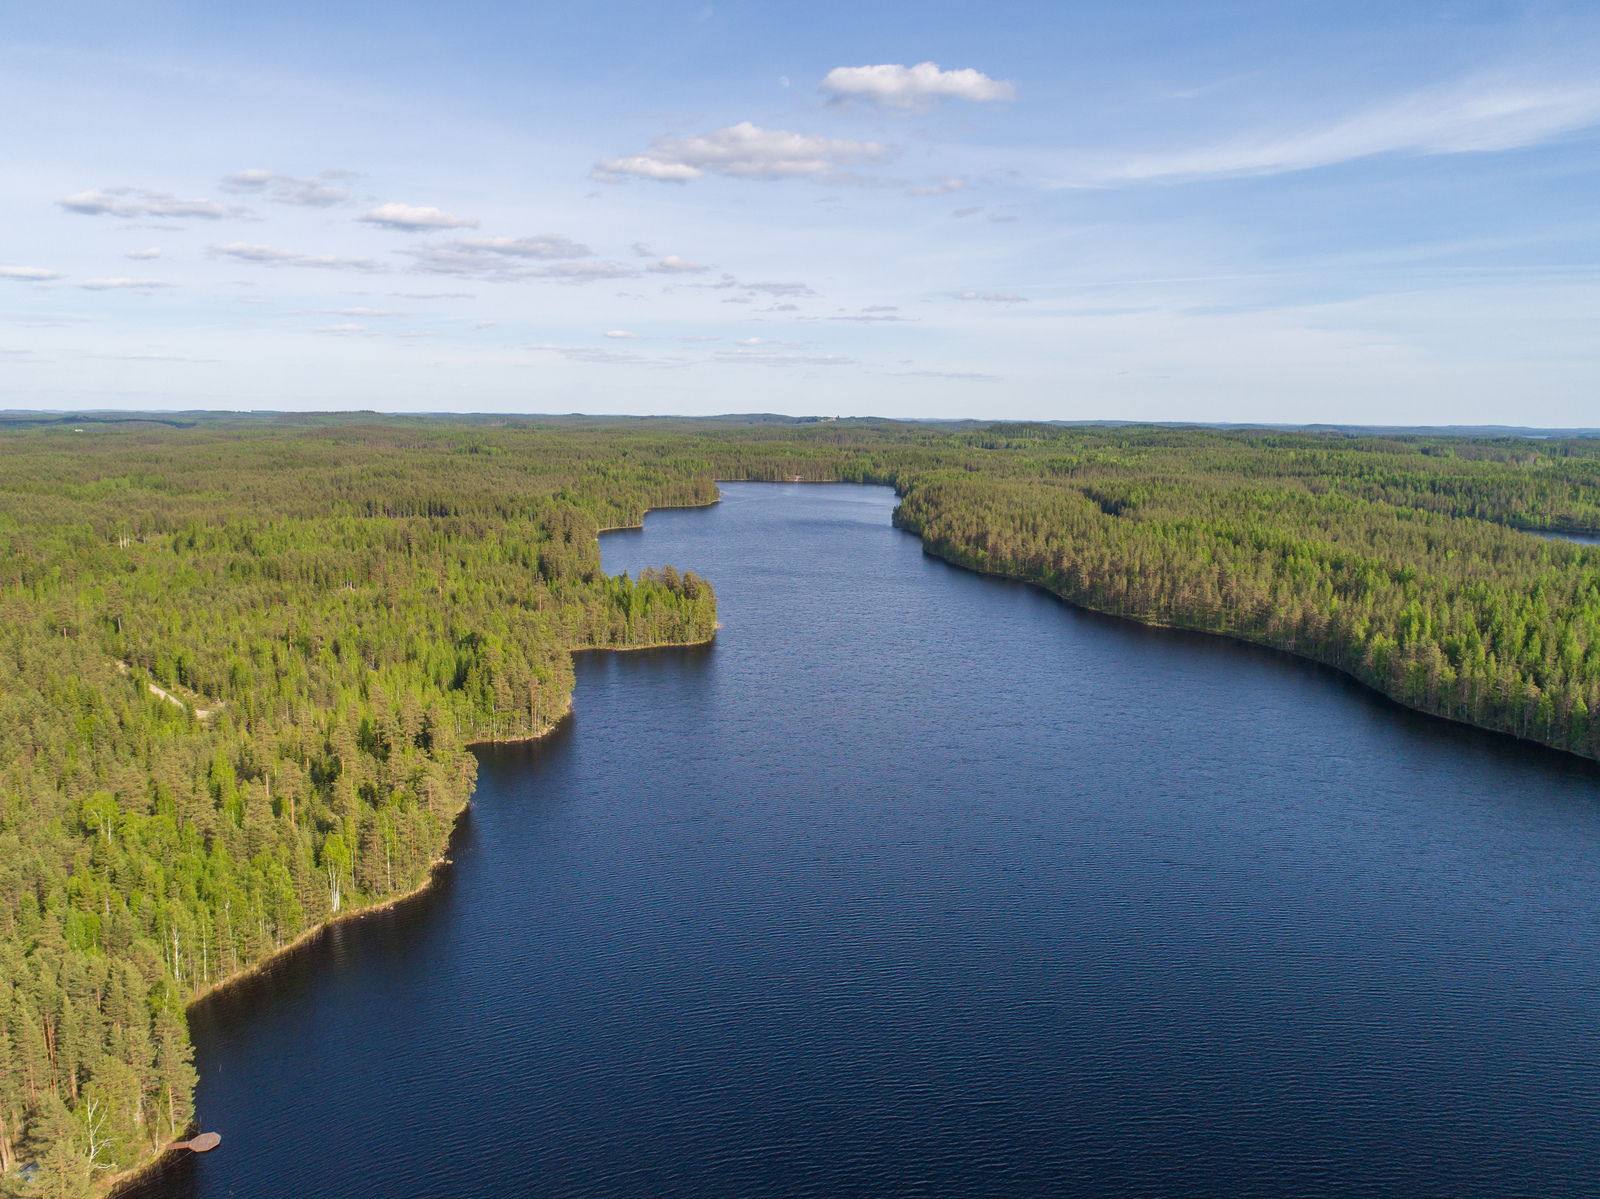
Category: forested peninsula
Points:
column 245, row 656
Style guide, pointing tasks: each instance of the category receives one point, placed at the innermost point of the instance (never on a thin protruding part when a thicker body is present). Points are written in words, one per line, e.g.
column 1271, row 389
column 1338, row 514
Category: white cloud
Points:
column 621, row 333
column 29, row 274
column 583, row 272
column 415, row 220
column 360, row 312
column 779, row 289
column 123, row 284
column 137, row 202
column 1470, row 117
column 342, row 330
column 245, row 252
column 241, row 251
column 970, row 376
column 894, row 86
column 742, row 151
column 494, row 258
column 940, row 187
column 285, row 189
column 544, row 245
column 415, row 334
column 993, row 297
column 484, row 325
column 144, row 255
column 673, row 265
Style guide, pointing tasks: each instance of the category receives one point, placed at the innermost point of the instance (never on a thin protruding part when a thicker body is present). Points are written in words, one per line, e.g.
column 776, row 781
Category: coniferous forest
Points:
column 244, row 658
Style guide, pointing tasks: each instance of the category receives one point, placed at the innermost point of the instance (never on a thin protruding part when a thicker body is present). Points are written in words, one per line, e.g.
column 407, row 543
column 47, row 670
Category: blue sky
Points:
column 1277, row 212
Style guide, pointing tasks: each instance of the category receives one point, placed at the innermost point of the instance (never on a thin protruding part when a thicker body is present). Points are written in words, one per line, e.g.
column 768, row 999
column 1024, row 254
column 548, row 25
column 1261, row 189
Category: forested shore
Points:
column 244, row 662
column 239, row 682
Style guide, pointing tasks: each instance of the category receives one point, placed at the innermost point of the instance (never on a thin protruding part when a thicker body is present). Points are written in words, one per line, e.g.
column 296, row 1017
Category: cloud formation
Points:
column 673, row 265
column 415, row 220
column 1470, row 117
column 892, row 86
column 285, row 189
column 742, row 151
column 137, row 202
column 993, row 297
column 28, row 274
column 543, row 245
column 501, row 259
column 123, row 284
column 241, row 251
column 939, row 187
column 144, row 255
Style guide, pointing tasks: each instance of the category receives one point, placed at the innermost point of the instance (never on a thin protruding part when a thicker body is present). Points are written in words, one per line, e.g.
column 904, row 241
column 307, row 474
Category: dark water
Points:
column 919, row 883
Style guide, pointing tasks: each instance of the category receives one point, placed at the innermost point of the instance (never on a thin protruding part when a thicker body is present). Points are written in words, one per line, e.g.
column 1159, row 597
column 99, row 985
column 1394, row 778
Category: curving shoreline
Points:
column 132, row 1177
column 1242, row 638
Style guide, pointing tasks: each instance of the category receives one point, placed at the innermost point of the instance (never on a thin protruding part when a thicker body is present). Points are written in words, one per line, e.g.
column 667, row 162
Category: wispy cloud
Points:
column 673, row 265
column 621, row 335
column 742, row 151
column 343, row 331
column 543, row 245
column 123, row 284
column 939, row 187
column 285, row 189
column 144, row 255
column 779, row 289
column 597, row 357
column 993, row 297
column 1471, row 117
column 29, row 274
column 890, row 85
column 137, row 202
column 409, row 219
column 240, row 251
column 504, row 259
column 971, row 376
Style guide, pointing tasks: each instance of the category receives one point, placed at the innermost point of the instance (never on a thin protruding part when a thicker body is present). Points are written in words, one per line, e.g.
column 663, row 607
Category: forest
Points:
column 245, row 658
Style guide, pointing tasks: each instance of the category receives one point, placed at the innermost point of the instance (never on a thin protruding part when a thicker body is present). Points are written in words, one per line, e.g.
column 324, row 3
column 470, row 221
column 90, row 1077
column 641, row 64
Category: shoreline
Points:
column 628, row 649
column 1244, row 639
column 134, row 1175
column 662, row 508
column 140, row 1172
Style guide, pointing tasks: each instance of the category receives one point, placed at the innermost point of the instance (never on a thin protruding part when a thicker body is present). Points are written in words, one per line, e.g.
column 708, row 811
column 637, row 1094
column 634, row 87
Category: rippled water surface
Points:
column 918, row 882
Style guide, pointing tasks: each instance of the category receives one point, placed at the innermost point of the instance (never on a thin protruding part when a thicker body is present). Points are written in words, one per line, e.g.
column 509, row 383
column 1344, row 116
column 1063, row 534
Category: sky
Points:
column 1276, row 212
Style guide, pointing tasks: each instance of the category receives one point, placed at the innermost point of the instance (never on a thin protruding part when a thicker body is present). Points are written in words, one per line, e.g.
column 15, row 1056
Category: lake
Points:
column 922, row 883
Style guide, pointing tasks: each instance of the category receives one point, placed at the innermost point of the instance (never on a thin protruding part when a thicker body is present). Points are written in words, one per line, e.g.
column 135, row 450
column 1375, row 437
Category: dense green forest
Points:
column 244, row 659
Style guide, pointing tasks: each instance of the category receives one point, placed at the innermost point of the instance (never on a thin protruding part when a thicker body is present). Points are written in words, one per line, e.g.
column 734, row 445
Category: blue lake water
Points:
column 921, row 883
